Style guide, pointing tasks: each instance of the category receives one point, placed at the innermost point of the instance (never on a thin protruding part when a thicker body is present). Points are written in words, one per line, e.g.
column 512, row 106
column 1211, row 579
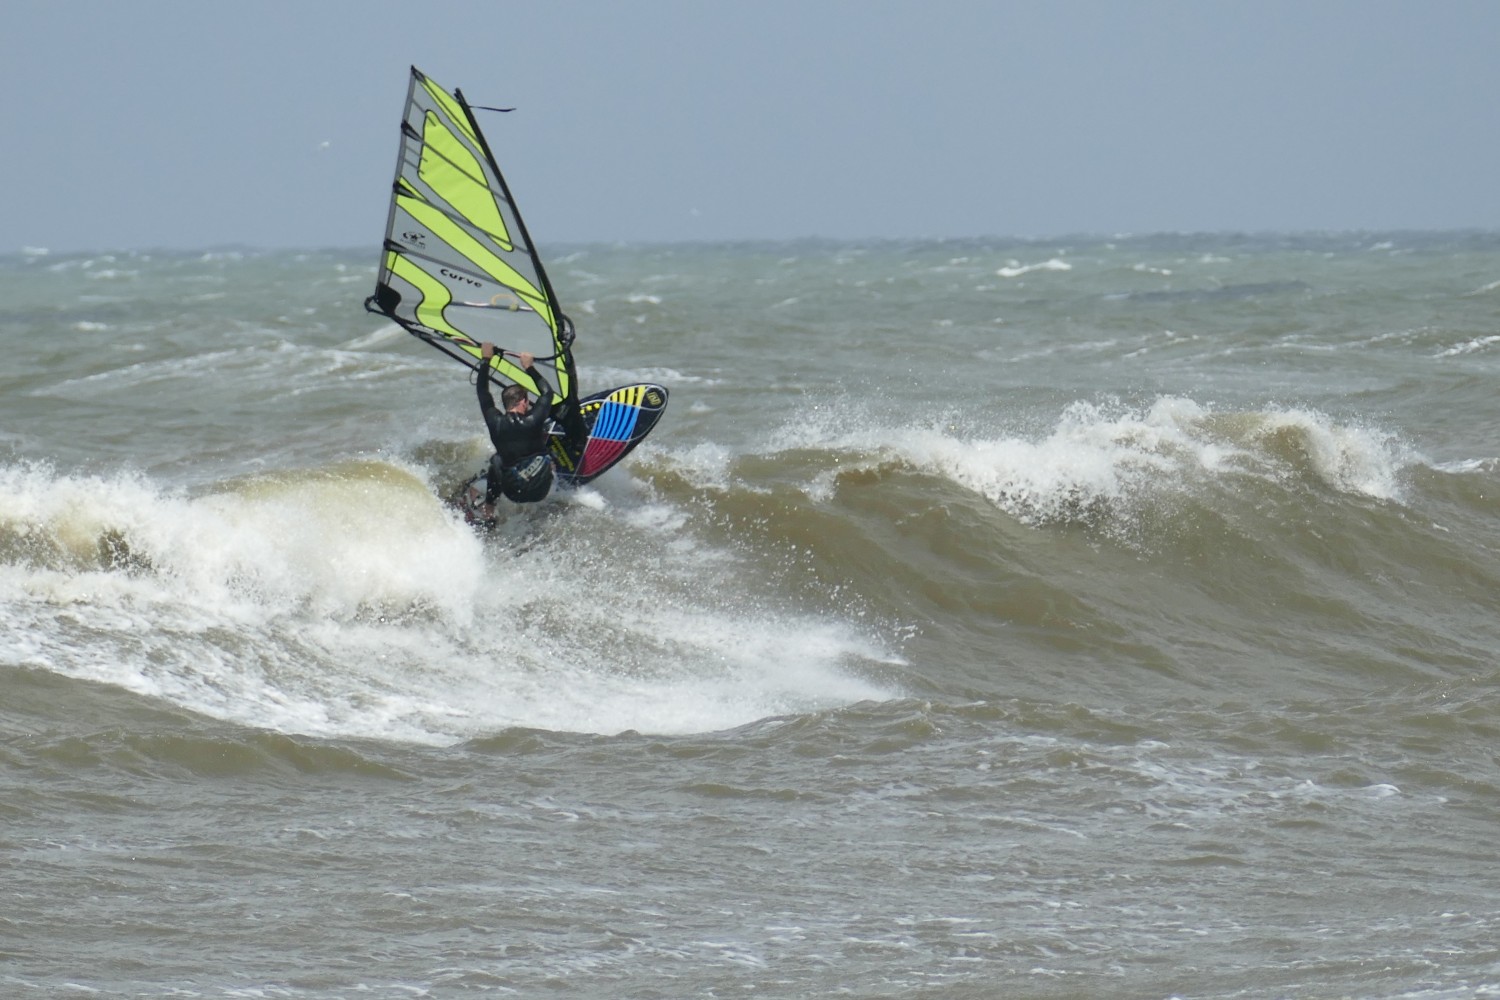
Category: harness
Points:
column 525, row 481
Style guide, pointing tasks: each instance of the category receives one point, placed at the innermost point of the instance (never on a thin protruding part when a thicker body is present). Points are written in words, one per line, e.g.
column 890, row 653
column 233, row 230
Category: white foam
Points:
column 385, row 334
column 1348, row 457
column 336, row 544
column 706, row 464
column 1093, row 452
column 603, row 376
column 348, row 601
column 1466, row 465
column 1107, row 452
column 1016, row 269
column 1469, row 347
column 1090, row 455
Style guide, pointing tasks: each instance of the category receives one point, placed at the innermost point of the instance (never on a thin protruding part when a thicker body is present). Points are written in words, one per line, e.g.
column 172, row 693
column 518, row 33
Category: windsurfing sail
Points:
column 459, row 267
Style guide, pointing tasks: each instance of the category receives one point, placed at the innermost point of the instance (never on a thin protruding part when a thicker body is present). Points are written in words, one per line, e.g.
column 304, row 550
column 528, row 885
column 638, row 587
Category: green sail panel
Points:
column 459, row 267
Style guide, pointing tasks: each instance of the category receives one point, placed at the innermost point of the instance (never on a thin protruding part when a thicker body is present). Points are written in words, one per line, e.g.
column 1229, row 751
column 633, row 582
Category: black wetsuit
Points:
column 521, row 469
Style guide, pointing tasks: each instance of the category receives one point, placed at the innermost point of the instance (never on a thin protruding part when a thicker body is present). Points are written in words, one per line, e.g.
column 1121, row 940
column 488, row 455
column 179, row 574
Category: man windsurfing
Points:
column 521, row 469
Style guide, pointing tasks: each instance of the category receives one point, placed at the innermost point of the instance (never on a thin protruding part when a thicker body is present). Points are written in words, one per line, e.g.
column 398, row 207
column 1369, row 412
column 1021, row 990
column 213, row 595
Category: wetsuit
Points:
column 521, row 469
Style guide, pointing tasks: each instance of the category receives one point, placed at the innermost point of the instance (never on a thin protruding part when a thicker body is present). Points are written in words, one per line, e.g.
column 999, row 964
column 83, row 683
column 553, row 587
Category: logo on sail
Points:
column 445, row 272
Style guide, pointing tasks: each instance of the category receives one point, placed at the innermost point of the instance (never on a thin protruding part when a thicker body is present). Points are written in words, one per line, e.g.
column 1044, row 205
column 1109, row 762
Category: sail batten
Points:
column 458, row 267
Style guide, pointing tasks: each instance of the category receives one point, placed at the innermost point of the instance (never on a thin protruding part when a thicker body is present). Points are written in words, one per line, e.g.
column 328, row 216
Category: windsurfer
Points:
column 521, row 468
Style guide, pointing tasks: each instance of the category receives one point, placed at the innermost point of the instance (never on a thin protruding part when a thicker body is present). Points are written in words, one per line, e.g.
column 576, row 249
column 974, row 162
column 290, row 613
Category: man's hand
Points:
column 486, row 351
column 526, row 360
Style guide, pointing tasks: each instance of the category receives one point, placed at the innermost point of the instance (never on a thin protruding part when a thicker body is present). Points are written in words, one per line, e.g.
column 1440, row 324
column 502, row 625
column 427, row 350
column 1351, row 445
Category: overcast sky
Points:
column 197, row 123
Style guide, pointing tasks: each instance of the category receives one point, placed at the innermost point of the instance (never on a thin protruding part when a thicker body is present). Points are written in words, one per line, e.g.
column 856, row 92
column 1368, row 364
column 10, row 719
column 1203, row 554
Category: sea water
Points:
column 1091, row 617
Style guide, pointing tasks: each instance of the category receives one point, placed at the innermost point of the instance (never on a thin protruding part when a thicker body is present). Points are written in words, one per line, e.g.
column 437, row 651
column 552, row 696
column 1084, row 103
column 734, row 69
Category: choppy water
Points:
column 1071, row 619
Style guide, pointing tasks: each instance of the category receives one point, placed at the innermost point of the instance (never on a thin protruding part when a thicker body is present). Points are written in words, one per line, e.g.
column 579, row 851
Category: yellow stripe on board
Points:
column 630, row 395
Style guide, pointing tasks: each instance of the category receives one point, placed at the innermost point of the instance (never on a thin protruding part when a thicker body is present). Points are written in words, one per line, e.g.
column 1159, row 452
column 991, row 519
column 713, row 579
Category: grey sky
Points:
column 169, row 123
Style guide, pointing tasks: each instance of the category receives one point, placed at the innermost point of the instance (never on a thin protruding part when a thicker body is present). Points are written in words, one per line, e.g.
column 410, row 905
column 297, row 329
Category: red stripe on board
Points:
column 598, row 455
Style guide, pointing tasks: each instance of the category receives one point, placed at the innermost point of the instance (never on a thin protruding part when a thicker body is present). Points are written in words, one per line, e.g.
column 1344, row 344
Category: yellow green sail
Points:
column 459, row 268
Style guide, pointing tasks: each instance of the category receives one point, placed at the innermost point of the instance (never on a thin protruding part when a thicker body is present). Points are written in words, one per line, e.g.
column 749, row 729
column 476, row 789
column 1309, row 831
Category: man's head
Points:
column 512, row 396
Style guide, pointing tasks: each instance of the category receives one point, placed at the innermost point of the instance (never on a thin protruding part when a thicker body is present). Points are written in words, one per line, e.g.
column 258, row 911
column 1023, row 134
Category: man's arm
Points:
column 543, row 390
column 542, row 409
column 486, row 401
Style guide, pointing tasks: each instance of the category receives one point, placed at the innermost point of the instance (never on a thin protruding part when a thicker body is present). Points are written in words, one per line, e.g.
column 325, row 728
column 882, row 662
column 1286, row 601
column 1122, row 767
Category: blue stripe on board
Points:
column 616, row 421
column 602, row 421
column 609, row 416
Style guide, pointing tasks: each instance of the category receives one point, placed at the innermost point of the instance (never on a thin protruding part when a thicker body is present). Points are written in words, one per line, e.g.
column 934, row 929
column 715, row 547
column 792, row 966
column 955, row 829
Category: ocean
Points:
column 1069, row 618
